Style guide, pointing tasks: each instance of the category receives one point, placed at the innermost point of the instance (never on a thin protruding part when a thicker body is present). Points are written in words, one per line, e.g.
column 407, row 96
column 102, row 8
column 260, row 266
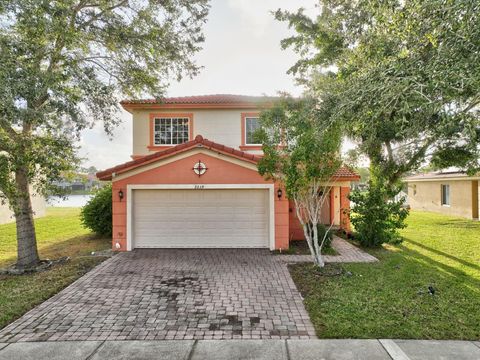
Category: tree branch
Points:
column 101, row 13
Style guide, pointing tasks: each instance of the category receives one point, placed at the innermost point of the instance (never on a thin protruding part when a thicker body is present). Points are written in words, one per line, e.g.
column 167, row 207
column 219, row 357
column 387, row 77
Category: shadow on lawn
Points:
column 441, row 253
column 392, row 300
column 72, row 247
column 459, row 223
column 434, row 264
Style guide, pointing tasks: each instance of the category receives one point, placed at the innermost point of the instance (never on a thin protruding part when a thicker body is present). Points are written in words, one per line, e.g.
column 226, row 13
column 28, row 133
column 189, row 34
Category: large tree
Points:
column 63, row 66
column 302, row 152
column 402, row 76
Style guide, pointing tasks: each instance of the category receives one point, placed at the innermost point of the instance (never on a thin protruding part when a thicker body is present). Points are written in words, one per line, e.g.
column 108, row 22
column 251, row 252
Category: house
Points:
column 39, row 206
column 452, row 193
column 193, row 180
column 78, row 182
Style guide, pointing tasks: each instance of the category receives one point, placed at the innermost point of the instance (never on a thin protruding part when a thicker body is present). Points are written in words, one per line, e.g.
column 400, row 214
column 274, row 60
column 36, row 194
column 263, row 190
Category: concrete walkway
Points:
column 243, row 349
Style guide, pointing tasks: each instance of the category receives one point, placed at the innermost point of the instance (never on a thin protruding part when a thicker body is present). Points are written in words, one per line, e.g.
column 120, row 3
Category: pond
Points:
column 70, row 201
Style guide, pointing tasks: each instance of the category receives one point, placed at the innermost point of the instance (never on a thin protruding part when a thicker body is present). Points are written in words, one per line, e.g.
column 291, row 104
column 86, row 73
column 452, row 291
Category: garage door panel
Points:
column 200, row 218
column 192, row 241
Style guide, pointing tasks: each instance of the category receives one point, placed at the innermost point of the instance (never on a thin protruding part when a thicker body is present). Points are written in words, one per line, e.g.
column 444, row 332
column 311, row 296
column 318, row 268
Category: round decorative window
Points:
column 200, row 168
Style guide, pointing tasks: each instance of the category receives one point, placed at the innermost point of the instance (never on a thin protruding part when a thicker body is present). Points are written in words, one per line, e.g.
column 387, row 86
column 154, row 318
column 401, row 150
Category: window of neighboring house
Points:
column 446, row 195
column 252, row 124
column 171, row 131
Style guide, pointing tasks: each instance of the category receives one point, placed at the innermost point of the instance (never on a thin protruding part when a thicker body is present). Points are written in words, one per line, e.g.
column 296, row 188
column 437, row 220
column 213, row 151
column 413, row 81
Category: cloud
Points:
column 103, row 152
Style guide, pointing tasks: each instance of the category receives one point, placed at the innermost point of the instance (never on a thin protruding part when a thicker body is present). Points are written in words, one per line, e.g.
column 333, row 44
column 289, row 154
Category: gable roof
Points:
column 202, row 101
column 346, row 173
column 199, row 141
column 343, row 173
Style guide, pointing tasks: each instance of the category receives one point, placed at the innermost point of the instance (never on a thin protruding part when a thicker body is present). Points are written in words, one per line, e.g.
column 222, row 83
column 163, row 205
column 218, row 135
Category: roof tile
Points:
column 204, row 99
column 107, row 174
column 342, row 173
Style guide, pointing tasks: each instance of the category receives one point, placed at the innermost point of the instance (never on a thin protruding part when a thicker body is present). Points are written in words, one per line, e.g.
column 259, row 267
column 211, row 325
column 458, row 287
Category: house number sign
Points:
column 200, row 168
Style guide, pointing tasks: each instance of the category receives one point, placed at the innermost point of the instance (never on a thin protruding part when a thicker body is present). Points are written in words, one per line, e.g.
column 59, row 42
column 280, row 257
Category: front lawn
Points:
column 391, row 298
column 60, row 233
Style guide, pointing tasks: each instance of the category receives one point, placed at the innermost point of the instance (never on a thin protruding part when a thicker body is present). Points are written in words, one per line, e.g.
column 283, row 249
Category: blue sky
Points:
column 241, row 55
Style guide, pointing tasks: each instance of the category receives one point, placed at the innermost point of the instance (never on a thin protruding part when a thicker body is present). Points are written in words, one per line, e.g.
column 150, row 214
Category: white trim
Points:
column 245, row 127
column 443, row 193
column 269, row 187
column 129, row 217
column 155, row 118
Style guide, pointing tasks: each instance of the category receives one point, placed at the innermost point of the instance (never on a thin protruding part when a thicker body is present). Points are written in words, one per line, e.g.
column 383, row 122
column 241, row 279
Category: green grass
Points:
column 390, row 299
column 60, row 233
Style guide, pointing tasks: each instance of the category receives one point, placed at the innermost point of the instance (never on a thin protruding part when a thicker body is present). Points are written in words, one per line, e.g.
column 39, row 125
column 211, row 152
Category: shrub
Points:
column 376, row 216
column 97, row 213
column 321, row 230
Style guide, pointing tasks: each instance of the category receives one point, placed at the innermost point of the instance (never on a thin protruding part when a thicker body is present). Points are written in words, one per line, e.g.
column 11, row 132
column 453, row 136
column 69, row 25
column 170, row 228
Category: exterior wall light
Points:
column 120, row 194
column 279, row 193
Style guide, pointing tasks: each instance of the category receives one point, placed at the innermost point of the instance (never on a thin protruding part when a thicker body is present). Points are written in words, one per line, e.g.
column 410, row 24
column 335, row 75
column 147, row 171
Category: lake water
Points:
column 70, row 201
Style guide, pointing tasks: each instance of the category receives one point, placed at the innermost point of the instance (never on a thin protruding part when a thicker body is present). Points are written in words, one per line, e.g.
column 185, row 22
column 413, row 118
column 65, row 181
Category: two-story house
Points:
column 193, row 180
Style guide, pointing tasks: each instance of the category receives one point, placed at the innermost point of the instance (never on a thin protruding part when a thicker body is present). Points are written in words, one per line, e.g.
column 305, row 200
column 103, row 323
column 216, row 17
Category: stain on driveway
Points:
column 173, row 294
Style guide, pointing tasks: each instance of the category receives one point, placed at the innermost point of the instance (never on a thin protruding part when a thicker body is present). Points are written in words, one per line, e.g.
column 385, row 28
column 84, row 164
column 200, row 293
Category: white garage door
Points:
column 200, row 218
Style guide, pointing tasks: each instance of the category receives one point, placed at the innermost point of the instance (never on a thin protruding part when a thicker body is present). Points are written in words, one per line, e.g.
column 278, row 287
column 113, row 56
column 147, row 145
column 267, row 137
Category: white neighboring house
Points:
column 39, row 205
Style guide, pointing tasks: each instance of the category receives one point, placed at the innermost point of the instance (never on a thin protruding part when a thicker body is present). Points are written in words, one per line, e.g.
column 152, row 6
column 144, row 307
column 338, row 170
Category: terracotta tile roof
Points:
column 343, row 173
column 205, row 99
column 198, row 141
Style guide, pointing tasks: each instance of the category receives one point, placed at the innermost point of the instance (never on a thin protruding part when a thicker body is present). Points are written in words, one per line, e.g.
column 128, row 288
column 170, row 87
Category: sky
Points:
column 241, row 55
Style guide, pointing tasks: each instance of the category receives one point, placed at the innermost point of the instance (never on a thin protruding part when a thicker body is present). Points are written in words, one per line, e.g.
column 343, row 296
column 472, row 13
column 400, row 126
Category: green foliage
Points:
column 64, row 64
column 97, row 213
column 390, row 298
column 322, row 230
column 297, row 139
column 301, row 152
column 376, row 216
column 402, row 77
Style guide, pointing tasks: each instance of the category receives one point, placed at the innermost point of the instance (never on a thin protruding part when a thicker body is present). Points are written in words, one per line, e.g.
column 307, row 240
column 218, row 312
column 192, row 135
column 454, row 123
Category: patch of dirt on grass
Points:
column 300, row 247
column 307, row 276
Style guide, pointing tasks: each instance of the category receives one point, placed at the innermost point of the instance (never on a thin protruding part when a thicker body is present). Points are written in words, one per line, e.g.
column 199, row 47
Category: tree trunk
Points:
column 27, row 254
column 318, row 251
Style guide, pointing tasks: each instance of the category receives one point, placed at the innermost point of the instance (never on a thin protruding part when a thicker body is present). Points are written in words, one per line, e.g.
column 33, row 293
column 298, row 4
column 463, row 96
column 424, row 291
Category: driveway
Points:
column 173, row 294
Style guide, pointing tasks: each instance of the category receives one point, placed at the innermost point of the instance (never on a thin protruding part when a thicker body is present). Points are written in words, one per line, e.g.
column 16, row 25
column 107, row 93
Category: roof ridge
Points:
column 203, row 99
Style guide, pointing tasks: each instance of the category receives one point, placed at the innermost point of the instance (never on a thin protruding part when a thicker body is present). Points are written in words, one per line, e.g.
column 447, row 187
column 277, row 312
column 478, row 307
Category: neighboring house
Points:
column 79, row 182
column 453, row 193
column 38, row 204
column 182, row 190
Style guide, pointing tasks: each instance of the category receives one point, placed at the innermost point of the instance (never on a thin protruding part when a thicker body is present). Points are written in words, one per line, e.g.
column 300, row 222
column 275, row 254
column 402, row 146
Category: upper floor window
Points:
column 446, row 195
column 171, row 130
column 252, row 124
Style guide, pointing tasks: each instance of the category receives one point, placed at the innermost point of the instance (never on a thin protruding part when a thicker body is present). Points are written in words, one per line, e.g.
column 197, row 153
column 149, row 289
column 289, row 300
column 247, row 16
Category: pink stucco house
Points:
column 193, row 180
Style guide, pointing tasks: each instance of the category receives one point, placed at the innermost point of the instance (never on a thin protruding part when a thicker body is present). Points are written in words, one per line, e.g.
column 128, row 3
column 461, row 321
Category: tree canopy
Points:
column 63, row 66
column 403, row 77
column 301, row 152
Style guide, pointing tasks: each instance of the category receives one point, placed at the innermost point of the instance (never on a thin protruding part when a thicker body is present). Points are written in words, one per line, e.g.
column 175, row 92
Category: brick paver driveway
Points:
column 173, row 294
